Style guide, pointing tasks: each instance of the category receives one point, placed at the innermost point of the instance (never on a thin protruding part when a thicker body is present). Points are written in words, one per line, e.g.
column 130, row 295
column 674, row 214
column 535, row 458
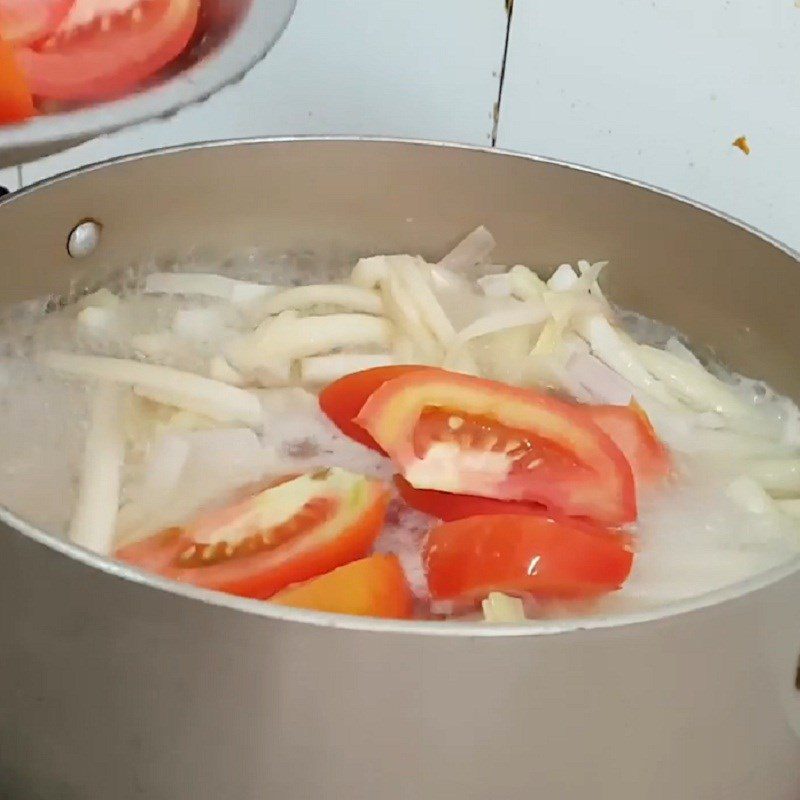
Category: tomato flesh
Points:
column 447, row 506
column 111, row 55
column 533, row 555
column 630, row 429
column 371, row 587
column 28, row 21
column 341, row 400
column 236, row 550
column 465, row 435
column 16, row 103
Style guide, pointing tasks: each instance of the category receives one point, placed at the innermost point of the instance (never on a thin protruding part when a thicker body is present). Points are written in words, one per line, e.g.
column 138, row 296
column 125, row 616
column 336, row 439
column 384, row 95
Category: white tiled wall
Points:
column 409, row 68
column 658, row 90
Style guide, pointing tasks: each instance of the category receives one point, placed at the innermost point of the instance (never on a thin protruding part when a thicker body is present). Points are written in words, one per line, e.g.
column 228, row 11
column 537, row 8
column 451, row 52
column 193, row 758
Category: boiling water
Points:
column 692, row 536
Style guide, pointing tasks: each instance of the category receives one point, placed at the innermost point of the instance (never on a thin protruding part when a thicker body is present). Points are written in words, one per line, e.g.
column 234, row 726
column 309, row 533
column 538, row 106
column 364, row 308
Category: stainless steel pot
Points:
column 115, row 684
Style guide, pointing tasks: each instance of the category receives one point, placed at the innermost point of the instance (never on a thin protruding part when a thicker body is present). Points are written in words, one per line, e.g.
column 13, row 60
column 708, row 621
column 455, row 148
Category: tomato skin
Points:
column 630, row 429
column 447, row 506
column 16, row 103
column 583, row 473
column 545, row 558
column 96, row 64
column 341, row 400
column 261, row 574
column 28, row 21
column 375, row 586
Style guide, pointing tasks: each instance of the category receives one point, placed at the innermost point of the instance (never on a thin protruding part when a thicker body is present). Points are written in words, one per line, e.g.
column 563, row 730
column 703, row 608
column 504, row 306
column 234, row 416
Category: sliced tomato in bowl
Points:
column 375, row 586
column 16, row 103
column 465, row 435
column 302, row 527
column 342, row 400
column 535, row 555
column 29, row 21
column 630, row 429
column 99, row 53
column 447, row 506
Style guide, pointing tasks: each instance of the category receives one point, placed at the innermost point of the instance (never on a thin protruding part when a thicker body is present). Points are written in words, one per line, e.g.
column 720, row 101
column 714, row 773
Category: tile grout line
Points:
column 509, row 4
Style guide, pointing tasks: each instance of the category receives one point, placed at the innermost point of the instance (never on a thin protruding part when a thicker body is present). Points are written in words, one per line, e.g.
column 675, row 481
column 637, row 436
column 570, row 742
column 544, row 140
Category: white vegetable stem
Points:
column 353, row 298
column 205, row 285
column 472, row 250
column 778, row 476
column 164, row 385
column 289, row 337
column 325, row 369
column 94, row 519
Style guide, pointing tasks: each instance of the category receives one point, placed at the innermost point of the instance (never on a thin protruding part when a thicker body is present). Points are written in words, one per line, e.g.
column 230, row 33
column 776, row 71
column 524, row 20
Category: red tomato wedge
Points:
column 16, row 103
column 341, row 400
column 28, row 21
column 290, row 532
column 465, row 435
column 112, row 54
column 630, row 429
column 447, row 506
column 545, row 558
column 372, row 587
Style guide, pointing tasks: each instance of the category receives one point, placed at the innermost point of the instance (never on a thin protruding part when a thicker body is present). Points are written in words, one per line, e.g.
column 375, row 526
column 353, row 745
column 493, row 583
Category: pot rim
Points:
column 261, row 608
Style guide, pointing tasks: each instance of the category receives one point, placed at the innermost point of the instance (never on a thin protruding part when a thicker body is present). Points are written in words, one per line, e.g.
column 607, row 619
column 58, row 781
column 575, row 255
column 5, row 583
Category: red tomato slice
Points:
column 288, row 533
column 630, row 429
column 465, row 435
column 447, row 506
column 545, row 558
column 16, row 103
column 112, row 54
column 28, row 21
column 372, row 587
column 343, row 399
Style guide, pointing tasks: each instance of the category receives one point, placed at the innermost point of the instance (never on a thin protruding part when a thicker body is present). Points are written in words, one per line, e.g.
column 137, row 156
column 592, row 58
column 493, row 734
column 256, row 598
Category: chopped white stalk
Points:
column 352, row 298
column 677, row 348
column 496, row 285
column 220, row 370
column 790, row 507
column 164, row 385
column 563, row 279
column 369, row 273
column 325, row 369
column 94, row 519
column 102, row 298
column 199, row 324
column 692, row 384
column 287, row 337
column 502, row 608
column 205, row 285
column 780, row 477
column 749, row 495
column 472, row 250
column 622, row 356
column 525, row 283
column 419, row 289
column 97, row 319
column 406, row 317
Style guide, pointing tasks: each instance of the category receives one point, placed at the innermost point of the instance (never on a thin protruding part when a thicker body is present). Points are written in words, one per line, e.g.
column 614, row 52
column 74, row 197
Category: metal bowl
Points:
column 119, row 684
column 236, row 35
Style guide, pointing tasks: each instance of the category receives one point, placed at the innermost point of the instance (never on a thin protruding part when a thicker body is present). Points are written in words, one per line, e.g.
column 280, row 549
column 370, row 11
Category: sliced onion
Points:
column 502, row 320
column 220, row 370
column 563, row 279
column 287, row 337
column 164, row 385
column 778, row 476
column 599, row 381
column 790, row 507
column 352, row 298
column 496, row 285
column 320, row 370
column 94, row 519
column 623, row 357
column 749, row 495
column 677, row 348
column 525, row 283
column 98, row 319
column 102, row 298
column 199, row 324
column 205, row 285
column 406, row 317
column 471, row 251
column 369, row 273
column 416, row 281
